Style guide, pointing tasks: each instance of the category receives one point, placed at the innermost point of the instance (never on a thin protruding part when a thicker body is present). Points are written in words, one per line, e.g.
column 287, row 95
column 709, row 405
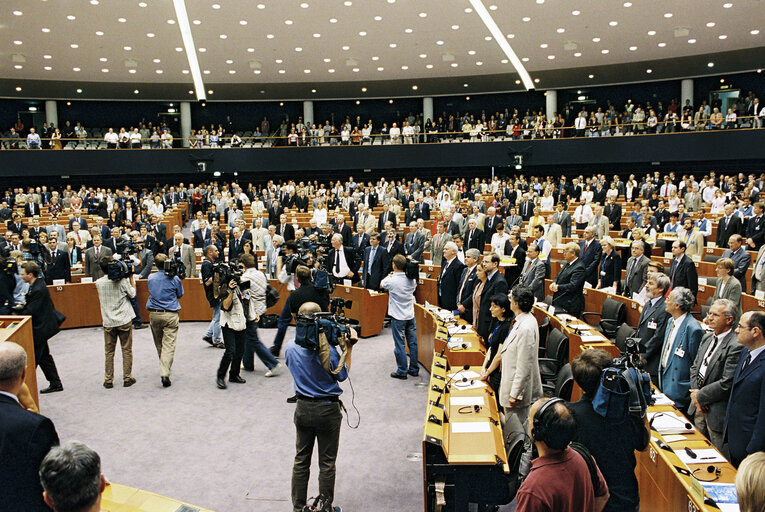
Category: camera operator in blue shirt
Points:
column 317, row 414
column 163, row 307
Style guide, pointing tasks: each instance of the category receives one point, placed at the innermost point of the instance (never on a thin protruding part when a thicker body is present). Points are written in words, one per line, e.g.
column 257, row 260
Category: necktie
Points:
column 747, row 361
column 372, row 254
column 705, row 362
column 667, row 347
column 629, row 270
column 337, row 261
column 526, row 268
column 98, row 251
column 54, row 255
column 79, row 240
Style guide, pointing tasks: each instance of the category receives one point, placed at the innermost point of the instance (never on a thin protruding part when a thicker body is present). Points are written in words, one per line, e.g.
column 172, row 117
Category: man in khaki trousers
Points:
column 163, row 307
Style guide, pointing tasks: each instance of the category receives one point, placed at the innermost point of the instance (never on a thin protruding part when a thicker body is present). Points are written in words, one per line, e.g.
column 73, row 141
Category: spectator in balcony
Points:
column 123, row 139
column 167, row 139
column 135, row 139
column 716, row 119
column 33, row 139
column 80, row 133
column 700, row 120
column 55, row 139
column 111, row 139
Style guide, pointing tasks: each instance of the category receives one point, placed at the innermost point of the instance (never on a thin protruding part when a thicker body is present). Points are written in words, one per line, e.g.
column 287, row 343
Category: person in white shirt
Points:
column 167, row 139
column 499, row 239
column 582, row 216
column 395, row 134
column 408, row 132
column 111, row 139
column 135, row 139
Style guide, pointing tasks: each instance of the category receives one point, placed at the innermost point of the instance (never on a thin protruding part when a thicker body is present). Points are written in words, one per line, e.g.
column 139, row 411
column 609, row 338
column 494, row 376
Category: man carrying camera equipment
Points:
column 213, row 335
column 117, row 316
column 317, row 414
column 306, row 293
column 8, row 269
column 233, row 323
column 163, row 306
column 45, row 323
column 612, row 440
column 257, row 307
column 401, row 289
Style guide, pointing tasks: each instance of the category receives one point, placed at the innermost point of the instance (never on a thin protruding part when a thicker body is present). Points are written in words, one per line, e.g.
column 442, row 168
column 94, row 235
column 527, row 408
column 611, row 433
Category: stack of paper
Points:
column 668, row 422
column 470, row 427
column 703, row 456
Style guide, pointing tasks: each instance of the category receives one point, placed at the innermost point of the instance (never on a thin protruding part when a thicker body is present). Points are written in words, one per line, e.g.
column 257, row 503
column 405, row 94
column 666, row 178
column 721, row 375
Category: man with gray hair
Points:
column 449, row 279
column 71, row 478
column 653, row 322
column 712, row 371
column 681, row 344
column 26, row 436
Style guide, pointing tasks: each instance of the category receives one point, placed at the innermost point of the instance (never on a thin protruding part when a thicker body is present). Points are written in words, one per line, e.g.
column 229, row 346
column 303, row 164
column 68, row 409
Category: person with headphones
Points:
column 560, row 478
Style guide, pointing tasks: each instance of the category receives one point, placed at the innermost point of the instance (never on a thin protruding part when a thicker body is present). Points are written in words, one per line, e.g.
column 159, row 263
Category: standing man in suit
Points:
column 533, row 272
column 553, row 232
column 712, row 371
column 188, row 258
column 235, row 248
column 637, row 269
column 682, row 270
column 285, row 229
column 159, row 231
column 490, row 222
column 414, row 243
column 728, row 225
column 568, row 285
column 745, row 417
column 27, row 437
column 758, row 276
column 203, row 235
column 563, row 218
column 341, row 261
column 514, row 251
column 474, row 237
column 598, row 222
column 376, row 263
column 741, row 258
column 653, row 322
column 513, row 219
column 694, row 240
column 681, row 344
column 755, row 228
column 439, row 241
column 449, row 279
column 92, row 256
column 58, row 228
column 467, row 284
column 590, row 251
column 613, row 212
column 342, row 228
column 79, row 219
column 59, row 266
column 526, row 208
column 495, row 284
column 385, row 216
column 44, row 323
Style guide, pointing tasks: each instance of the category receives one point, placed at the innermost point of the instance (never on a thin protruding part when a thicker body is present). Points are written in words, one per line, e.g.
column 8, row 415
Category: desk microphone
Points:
column 446, row 385
column 687, row 424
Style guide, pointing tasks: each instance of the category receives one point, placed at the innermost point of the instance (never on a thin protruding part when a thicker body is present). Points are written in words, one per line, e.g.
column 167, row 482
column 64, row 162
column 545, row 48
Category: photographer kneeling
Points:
column 317, row 414
column 233, row 323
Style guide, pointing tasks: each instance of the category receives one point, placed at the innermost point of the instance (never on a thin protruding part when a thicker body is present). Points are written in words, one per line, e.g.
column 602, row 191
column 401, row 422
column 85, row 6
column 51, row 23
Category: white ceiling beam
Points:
column 191, row 50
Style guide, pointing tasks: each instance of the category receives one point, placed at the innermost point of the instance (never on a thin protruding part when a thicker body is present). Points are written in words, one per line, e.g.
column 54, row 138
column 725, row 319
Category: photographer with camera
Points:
column 8, row 271
column 612, row 444
column 233, row 323
column 307, row 292
column 257, row 283
column 163, row 307
column 213, row 335
column 117, row 317
column 285, row 273
column 401, row 310
column 318, row 414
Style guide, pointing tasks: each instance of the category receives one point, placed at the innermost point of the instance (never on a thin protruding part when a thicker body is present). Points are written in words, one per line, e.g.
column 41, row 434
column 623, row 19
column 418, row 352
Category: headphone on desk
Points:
column 540, row 424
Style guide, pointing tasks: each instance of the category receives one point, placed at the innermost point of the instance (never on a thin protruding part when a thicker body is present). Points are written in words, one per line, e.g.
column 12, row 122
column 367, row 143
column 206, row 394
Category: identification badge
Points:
column 652, row 325
column 679, row 352
column 602, row 273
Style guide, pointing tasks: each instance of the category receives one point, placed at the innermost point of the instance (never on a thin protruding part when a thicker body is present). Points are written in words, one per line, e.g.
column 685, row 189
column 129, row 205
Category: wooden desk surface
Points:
column 121, row 498
column 431, row 339
column 18, row 329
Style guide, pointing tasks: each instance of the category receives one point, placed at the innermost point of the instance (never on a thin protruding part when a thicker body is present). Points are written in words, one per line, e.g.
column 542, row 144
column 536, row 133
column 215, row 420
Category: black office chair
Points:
column 548, row 300
column 712, row 281
column 711, row 258
column 611, row 317
column 514, row 449
column 624, row 332
column 556, row 355
column 544, row 329
column 563, row 386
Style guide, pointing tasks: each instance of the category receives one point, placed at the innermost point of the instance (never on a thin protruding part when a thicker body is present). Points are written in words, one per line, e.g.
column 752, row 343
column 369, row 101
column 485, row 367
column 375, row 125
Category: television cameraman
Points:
column 317, row 414
column 306, row 293
column 233, row 323
column 213, row 336
column 163, row 307
column 401, row 309
column 115, row 296
column 7, row 280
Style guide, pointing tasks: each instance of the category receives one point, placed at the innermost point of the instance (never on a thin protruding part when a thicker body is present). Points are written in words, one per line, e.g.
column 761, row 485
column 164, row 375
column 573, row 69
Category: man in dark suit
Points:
column 590, row 252
column 614, row 213
column 712, row 372
column 341, row 261
column 16, row 225
column 202, row 236
column 514, row 250
column 474, row 238
column 27, row 437
column 376, row 263
column 343, row 229
column 495, row 285
column 745, row 417
column 449, row 279
column 526, row 208
column 728, row 225
column 92, row 257
column 385, row 216
column 411, row 213
column 653, row 322
column 467, row 284
column 637, row 269
column 682, row 270
column 755, row 228
column 360, row 241
column 59, row 266
column 423, row 209
column 414, row 244
column 79, row 219
column 285, row 229
column 490, row 223
column 275, row 212
column 235, row 244
column 563, row 219
column 741, row 258
column 532, row 272
column 568, row 285
column 301, row 201
column 31, row 208
column 44, row 323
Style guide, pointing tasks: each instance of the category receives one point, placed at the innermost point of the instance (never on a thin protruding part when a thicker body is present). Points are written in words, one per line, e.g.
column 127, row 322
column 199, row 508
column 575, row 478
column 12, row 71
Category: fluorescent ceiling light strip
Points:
column 499, row 37
column 191, row 51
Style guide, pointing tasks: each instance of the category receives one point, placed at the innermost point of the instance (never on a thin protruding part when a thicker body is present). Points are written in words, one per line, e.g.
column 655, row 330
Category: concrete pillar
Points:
column 308, row 113
column 51, row 113
column 551, row 103
column 686, row 91
column 427, row 109
column 185, row 123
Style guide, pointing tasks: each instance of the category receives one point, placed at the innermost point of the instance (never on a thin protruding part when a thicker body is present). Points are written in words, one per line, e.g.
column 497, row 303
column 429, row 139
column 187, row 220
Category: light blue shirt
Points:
column 163, row 292
column 400, row 295
column 309, row 375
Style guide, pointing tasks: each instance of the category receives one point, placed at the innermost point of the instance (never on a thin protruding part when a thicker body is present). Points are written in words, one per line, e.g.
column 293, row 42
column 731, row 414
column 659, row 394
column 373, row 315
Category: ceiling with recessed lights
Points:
column 316, row 41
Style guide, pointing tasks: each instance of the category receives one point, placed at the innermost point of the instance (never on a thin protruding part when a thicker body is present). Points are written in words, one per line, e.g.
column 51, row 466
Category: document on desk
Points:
column 459, row 329
column 667, row 422
column 470, row 427
column 724, row 495
column 592, row 338
column 457, row 342
column 703, row 456
column 467, row 400
column 661, row 399
column 467, row 374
